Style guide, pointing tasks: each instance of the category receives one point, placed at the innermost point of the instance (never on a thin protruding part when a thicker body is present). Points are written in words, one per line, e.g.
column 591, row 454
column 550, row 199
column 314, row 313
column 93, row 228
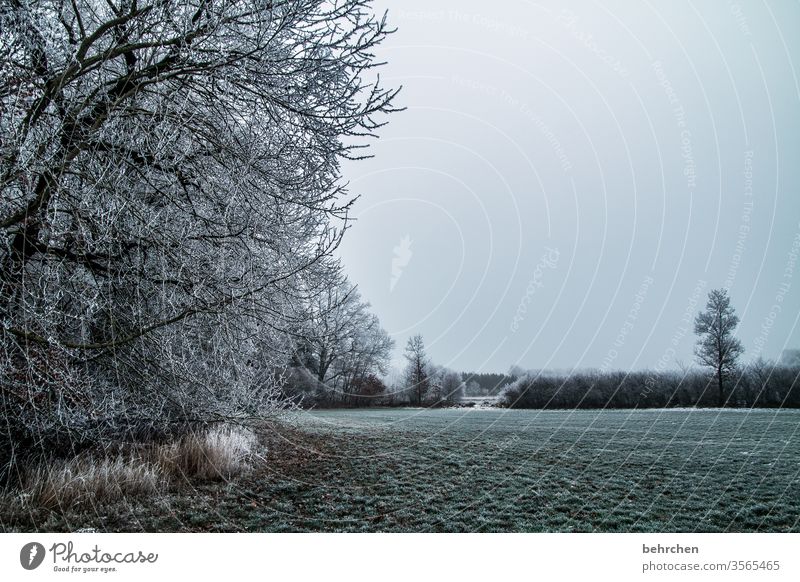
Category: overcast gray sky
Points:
column 570, row 180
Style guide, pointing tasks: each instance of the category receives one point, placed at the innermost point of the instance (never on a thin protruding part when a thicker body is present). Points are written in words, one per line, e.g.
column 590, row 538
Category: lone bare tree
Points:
column 717, row 347
column 417, row 375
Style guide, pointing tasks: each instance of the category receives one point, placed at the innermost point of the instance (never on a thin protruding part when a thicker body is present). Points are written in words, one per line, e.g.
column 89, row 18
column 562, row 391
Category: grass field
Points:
column 493, row 470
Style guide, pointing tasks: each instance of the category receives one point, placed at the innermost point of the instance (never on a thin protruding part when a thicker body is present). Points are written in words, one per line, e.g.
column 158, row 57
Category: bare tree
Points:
column 717, row 347
column 417, row 370
column 344, row 342
column 451, row 386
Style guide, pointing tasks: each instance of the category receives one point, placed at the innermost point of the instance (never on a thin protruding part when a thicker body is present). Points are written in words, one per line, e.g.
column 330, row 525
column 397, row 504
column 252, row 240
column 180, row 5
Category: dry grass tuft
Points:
column 217, row 453
column 88, row 479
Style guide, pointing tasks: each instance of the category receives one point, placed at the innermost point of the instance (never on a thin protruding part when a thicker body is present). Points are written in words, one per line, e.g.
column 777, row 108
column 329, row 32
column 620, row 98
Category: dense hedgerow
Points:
column 757, row 385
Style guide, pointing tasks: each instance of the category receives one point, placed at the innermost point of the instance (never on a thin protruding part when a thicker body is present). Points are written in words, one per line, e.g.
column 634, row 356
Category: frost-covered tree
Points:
column 417, row 373
column 343, row 343
column 717, row 347
column 453, row 387
column 170, row 194
column 446, row 386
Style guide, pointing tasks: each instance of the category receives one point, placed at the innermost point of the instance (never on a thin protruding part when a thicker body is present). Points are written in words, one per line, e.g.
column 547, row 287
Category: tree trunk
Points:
column 721, row 389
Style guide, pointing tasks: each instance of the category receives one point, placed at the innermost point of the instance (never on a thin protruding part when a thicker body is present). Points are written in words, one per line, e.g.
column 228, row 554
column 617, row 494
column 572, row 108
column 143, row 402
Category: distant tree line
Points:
column 486, row 383
column 344, row 356
column 760, row 384
column 356, row 379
